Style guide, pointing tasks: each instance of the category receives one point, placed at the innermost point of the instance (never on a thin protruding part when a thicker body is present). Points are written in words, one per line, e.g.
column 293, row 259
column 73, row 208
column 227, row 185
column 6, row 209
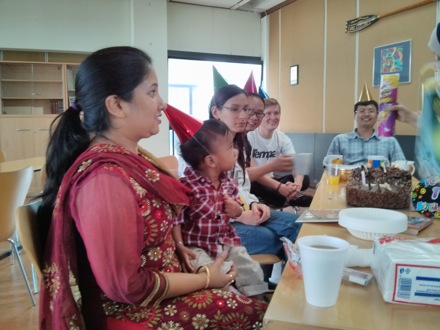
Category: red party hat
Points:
column 250, row 86
column 182, row 123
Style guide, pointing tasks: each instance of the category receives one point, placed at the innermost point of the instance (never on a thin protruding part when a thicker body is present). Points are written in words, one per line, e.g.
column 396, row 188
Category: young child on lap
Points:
column 203, row 230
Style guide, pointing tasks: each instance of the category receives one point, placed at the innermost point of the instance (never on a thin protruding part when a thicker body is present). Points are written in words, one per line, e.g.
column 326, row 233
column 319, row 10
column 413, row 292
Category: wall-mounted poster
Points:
column 392, row 58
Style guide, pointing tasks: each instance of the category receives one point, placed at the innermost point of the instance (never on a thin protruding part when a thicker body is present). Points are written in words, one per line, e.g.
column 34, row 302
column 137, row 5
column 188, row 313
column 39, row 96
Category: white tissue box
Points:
column 407, row 271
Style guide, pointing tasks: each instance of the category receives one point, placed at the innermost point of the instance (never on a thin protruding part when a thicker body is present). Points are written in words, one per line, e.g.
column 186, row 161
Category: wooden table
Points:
column 37, row 164
column 358, row 307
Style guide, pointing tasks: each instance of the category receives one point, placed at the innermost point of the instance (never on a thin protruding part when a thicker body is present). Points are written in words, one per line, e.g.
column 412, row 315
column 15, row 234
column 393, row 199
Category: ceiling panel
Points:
column 211, row 3
column 257, row 6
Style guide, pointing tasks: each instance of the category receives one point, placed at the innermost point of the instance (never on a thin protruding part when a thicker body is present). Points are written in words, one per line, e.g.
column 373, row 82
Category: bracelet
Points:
column 208, row 275
column 279, row 186
column 180, row 242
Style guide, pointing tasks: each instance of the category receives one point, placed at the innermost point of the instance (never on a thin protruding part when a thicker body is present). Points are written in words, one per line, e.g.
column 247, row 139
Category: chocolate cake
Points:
column 383, row 187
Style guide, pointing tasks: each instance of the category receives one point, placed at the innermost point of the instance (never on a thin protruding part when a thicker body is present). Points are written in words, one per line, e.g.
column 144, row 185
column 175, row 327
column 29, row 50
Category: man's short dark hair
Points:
column 365, row 103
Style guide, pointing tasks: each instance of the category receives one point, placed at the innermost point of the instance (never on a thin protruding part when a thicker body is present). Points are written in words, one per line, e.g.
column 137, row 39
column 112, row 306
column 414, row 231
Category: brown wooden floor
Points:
column 16, row 310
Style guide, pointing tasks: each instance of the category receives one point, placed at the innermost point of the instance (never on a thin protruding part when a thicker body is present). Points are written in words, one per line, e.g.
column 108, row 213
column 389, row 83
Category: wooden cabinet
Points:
column 31, row 94
column 24, row 137
column 36, row 88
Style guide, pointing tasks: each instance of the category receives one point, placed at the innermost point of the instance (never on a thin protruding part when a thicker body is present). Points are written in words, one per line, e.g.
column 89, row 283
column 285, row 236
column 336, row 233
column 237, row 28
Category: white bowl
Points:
column 369, row 223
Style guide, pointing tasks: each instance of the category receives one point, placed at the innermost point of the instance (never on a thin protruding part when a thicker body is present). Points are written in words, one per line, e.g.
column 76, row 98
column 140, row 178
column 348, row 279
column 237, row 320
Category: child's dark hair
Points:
column 201, row 143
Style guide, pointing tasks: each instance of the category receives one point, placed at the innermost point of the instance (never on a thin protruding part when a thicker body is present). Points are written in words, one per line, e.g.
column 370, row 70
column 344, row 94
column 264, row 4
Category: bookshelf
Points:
column 31, row 88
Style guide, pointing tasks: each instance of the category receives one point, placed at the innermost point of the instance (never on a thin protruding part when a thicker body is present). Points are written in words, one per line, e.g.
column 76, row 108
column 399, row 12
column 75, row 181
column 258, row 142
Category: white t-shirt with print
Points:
column 266, row 150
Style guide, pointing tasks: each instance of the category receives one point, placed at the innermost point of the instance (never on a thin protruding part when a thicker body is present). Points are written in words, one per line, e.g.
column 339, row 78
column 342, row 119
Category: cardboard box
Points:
column 407, row 271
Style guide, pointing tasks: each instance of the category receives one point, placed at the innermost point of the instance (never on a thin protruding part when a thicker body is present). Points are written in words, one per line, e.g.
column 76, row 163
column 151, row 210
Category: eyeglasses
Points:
column 364, row 111
column 236, row 109
column 256, row 112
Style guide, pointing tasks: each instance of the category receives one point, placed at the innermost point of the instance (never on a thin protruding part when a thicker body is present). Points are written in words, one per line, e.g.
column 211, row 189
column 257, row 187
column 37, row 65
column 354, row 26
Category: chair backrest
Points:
column 2, row 156
column 171, row 164
column 28, row 233
column 14, row 187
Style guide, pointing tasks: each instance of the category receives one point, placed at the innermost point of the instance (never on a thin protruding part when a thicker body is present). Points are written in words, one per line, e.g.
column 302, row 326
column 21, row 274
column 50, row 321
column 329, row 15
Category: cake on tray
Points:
column 382, row 187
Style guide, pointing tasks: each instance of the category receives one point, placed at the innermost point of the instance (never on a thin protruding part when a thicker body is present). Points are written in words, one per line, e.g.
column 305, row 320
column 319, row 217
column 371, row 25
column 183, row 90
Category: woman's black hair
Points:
column 201, row 143
column 221, row 96
column 109, row 71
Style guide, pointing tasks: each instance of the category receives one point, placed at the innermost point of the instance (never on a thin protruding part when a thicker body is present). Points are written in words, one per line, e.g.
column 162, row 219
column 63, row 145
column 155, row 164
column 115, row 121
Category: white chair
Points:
column 13, row 190
column 2, row 156
column 27, row 229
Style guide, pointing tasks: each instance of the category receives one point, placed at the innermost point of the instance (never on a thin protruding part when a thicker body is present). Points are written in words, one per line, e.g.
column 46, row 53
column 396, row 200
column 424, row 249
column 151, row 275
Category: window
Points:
column 191, row 83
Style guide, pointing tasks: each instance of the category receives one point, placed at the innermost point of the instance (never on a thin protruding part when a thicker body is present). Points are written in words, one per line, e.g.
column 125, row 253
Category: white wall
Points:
column 155, row 26
column 213, row 30
column 79, row 25
column 149, row 32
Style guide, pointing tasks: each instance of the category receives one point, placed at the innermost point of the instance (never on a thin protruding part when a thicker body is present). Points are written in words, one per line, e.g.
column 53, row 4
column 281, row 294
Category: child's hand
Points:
column 185, row 254
column 231, row 207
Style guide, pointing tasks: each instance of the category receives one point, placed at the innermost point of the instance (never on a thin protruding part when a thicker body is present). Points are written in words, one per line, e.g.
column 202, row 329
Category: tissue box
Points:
column 407, row 271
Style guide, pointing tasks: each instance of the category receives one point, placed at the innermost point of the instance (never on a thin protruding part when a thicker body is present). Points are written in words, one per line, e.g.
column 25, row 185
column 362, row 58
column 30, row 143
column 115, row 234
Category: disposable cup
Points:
column 322, row 261
column 333, row 173
column 405, row 165
column 302, row 163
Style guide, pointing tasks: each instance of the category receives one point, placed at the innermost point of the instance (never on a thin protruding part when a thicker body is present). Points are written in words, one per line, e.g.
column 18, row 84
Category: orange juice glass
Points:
column 333, row 173
column 333, row 179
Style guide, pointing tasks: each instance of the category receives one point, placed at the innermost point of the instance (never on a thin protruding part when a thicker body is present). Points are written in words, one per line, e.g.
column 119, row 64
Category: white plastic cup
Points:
column 333, row 159
column 302, row 163
column 405, row 165
column 333, row 173
column 322, row 260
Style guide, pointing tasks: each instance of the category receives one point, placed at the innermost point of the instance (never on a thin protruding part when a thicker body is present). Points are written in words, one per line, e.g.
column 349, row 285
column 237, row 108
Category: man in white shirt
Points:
column 268, row 143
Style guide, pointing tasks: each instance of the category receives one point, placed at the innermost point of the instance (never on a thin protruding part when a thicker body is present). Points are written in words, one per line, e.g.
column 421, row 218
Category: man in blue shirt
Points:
column 356, row 146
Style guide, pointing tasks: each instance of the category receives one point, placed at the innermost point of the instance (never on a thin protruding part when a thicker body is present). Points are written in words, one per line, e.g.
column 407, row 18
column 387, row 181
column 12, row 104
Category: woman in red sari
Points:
column 107, row 211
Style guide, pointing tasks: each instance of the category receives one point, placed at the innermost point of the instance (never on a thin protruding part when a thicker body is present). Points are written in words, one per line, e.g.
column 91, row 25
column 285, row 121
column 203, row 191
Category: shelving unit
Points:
column 71, row 71
column 35, row 88
column 31, row 88
column 31, row 94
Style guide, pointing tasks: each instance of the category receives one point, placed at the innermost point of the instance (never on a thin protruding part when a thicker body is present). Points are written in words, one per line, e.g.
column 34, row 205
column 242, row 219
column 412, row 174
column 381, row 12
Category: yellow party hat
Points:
column 365, row 95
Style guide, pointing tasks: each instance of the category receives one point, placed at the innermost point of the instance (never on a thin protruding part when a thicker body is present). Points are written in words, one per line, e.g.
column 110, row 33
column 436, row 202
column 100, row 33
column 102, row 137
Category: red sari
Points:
column 109, row 246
